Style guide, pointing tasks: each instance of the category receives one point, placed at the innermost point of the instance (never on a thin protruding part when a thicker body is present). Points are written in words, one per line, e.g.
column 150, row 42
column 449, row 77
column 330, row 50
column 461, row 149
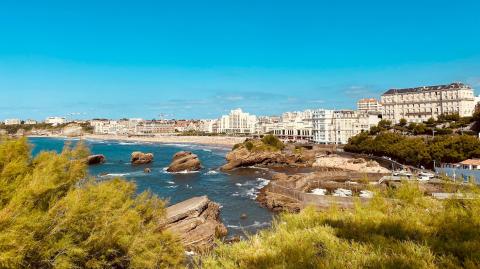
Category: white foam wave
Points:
column 262, row 182
column 177, row 145
column 115, row 175
column 127, row 143
column 207, row 150
column 211, row 172
column 256, row 224
column 180, row 172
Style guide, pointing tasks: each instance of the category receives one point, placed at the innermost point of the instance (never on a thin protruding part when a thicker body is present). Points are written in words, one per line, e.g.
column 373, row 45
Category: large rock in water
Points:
column 95, row 159
column 141, row 158
column 184, row 161
column 242, row 157
column 197, row 222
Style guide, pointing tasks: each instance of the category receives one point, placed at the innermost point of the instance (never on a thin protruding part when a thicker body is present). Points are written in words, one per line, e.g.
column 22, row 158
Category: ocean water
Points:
column 234, row 191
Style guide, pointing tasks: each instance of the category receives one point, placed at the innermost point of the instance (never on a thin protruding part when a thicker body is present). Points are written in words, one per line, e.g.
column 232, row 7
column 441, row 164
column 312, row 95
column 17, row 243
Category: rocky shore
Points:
column 197, row 222
column 257, row 153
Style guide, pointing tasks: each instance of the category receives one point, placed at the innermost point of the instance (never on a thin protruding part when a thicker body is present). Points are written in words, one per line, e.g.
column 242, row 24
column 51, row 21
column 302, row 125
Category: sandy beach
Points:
column 219, row 141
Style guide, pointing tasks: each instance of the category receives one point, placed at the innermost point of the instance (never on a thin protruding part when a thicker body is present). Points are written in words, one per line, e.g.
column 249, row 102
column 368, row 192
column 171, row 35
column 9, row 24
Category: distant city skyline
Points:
column 108, row 59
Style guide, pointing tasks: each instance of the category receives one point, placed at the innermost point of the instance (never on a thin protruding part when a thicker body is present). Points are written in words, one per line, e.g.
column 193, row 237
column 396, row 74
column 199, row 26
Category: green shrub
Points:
column 411, row 231
column 53, row 216
column 236, row 146
column 249, row 145
column 273, row 141
column 417, row 150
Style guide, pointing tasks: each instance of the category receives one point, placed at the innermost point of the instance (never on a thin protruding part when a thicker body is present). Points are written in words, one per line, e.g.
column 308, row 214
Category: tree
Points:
column 402, row 122
column 52, row 215
column 384, row 124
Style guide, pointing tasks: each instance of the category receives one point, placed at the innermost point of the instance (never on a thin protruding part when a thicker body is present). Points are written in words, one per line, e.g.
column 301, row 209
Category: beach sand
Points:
column 220, row 141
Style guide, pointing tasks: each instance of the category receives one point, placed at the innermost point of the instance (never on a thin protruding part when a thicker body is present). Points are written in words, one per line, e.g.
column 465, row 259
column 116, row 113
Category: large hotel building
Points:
column 421, row 103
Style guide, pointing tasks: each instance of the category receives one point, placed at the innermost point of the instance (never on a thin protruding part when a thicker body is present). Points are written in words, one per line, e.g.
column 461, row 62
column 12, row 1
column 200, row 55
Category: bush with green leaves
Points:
column 416, row 150
column 52, row 215
column 399, row 228
column 273, row 141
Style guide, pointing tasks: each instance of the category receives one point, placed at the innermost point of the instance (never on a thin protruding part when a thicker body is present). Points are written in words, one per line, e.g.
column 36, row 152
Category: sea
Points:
column 235, row 191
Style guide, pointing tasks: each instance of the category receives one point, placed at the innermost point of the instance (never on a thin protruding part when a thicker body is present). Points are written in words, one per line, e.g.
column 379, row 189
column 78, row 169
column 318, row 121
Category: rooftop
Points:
column 471, row 162
column 367, row 100
column 455, row 85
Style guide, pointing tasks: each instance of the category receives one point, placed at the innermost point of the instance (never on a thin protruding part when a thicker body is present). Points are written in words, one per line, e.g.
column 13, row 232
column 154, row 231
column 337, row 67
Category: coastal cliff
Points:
column 197, row 222
column 268, row 153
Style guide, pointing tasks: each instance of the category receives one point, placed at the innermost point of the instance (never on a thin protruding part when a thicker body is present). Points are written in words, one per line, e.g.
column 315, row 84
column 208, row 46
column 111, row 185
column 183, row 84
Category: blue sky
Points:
column 199, row 59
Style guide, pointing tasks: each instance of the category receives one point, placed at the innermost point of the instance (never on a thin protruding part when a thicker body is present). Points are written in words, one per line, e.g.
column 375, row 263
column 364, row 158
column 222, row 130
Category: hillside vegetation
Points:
column 53, row 216
column 267, row 143
column 410, row 231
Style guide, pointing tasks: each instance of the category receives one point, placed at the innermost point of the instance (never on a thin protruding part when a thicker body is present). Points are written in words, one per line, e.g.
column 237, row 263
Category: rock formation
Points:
column 95, row 159
column 184, row 161
column 197, row 222
column 242, row 157
column 141, row 158
column 72, row 130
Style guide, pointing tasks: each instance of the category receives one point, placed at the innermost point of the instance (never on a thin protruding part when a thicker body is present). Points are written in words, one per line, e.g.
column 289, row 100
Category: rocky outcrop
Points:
column 350, row 164
column 242, row 157
column 184, row 161
column 197, row 222
column 141, row 158
column 72, row 130
column 95, row 159
column 277, row 202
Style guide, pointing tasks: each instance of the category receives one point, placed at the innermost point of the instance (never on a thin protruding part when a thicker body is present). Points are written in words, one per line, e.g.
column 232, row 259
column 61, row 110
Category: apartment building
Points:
column 12, row 121
column 421, row 103
column 237, row 122
column 337, row 126
column 30, row 122
column 55, row 120
column 294, row 126
column 369, row 105
column 153, row 127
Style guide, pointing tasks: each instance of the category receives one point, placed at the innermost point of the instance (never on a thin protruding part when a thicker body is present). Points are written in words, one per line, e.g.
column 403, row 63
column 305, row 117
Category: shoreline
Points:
column 224, row 142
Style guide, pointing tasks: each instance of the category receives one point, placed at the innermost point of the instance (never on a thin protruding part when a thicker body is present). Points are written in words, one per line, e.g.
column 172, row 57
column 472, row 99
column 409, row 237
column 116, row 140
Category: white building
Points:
column 55, row 120
column 295, row 126
column 421, row 103
column 237, row 122
column 337, row 126
column 154, row 127
column 369, row 105
column 30, row 122
column 12, row 121
column 208, row 126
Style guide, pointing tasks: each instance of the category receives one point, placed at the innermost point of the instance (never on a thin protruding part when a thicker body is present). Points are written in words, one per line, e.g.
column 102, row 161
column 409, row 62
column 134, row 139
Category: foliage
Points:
column 273, row 141
column 410, row 231
column 249, row 145
column 53, row 216
column 445, row 124
column 416, row 150
column 236, row 146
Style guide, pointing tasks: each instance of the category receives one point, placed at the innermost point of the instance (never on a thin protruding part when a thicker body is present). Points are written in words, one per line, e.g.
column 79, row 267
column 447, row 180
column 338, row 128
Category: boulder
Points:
column 197, row 222
column 184, row 161
column 242, row 157
column 141, row 158
column 95, row 159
